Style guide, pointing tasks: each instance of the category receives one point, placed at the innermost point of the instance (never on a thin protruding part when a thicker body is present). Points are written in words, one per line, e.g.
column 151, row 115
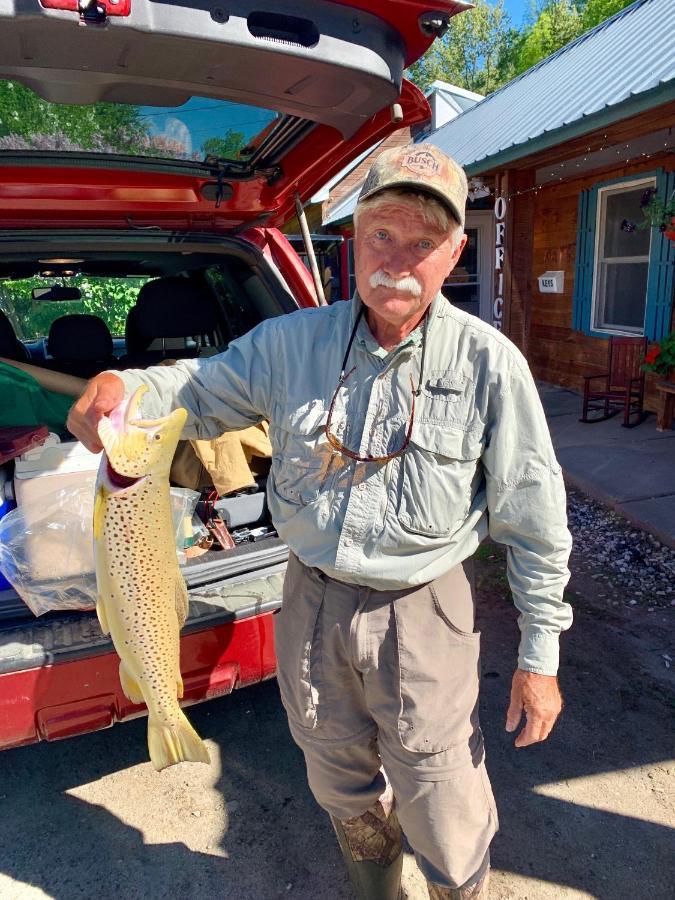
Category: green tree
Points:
column 557, row 23
column 26, row 121
column 594, row 12
column 473, row 53
column 109, row 298
column 227, row 146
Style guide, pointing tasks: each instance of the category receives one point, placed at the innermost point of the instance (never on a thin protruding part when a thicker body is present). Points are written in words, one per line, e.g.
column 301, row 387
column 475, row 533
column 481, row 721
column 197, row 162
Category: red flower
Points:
column 651, row 356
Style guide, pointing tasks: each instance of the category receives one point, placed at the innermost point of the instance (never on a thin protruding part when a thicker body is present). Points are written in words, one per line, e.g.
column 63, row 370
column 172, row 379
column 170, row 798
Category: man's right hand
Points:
column 102, row 394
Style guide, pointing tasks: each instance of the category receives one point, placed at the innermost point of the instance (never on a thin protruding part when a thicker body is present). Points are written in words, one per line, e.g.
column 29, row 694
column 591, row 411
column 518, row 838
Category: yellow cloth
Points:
column 228, row 463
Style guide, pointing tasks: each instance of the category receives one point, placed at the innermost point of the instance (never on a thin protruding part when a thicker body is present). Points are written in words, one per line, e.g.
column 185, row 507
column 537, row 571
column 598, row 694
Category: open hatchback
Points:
column 150, row 152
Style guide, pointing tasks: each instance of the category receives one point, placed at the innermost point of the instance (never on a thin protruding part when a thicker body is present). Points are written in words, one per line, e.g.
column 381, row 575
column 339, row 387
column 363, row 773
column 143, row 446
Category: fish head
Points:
column 135, row 447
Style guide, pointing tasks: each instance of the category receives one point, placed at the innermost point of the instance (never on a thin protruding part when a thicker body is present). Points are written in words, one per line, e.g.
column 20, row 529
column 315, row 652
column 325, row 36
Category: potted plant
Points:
column 661, row 358
column 657, row 213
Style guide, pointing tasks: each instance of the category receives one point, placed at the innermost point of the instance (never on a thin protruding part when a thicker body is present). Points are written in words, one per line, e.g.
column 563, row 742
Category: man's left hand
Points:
column 538, row 696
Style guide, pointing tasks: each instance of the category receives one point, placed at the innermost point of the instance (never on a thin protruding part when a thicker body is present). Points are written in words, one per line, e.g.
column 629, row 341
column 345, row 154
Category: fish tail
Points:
column 170, row 744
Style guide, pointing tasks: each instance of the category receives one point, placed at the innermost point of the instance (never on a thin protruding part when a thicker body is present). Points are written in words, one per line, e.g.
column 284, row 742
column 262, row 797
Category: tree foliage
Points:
column 557, row 24
column 98, row 126
column 472, row 52
column 481, row 51
column 595, row 11
column 227, row 146
column 109, row 298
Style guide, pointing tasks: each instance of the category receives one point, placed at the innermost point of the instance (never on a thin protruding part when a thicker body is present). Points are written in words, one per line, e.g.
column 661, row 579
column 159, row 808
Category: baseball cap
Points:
column 422, row 167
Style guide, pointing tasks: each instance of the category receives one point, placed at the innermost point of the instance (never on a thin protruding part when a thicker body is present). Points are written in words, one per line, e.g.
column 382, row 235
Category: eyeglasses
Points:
column 335, row 441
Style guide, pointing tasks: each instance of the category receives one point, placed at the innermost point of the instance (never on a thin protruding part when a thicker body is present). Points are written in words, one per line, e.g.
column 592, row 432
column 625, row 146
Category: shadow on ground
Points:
column 614, row 720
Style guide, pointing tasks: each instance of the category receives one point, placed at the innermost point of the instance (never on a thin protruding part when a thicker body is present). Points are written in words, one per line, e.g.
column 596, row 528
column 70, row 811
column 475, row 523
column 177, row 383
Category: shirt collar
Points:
column 364, row 336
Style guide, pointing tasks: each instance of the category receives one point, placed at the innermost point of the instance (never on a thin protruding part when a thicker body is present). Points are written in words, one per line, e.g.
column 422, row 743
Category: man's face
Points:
column 393, row 243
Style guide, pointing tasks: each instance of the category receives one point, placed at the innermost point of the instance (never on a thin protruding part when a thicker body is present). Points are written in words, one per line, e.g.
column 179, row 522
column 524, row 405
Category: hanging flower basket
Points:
column 657, row 214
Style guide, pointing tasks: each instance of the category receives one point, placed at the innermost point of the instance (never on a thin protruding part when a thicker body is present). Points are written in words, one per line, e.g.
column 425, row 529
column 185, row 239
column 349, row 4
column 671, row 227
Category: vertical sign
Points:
column 500, row 247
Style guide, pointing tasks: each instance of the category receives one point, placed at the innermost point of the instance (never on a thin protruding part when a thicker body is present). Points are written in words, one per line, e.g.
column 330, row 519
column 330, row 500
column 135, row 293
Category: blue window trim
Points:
column 661, row 262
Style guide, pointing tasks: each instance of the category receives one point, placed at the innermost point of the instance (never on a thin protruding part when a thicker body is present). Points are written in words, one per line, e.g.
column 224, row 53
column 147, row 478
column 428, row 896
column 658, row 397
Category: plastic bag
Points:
column 183, row 505
column 47, row 553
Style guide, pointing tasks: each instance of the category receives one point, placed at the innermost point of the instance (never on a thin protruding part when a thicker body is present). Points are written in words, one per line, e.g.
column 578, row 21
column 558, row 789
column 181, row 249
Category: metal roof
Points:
column 621, row 67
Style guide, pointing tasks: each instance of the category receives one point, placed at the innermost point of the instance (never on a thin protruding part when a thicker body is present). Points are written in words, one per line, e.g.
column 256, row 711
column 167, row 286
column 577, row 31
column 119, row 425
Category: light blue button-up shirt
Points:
column 480, row 460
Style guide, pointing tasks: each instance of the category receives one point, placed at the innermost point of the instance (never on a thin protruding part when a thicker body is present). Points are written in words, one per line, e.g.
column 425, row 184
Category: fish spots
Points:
column 137, row 567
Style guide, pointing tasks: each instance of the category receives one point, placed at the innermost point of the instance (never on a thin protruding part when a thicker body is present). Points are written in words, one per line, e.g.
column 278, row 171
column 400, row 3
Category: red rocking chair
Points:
column 623, row 384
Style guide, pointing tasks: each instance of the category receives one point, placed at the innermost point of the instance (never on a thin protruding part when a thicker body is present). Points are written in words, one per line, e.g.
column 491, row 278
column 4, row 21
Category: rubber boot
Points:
column 476, row 891
column 373, row 850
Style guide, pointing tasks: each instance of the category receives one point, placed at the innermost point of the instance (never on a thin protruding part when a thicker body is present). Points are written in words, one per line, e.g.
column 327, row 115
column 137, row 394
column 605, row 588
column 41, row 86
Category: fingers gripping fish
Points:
column 142, row 598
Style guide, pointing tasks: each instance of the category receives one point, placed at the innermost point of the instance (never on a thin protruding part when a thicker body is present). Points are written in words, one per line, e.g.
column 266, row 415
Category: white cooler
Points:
column 54, row 485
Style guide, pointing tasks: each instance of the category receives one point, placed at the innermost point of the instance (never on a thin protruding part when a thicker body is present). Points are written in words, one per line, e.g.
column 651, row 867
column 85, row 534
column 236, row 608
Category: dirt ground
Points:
column 589, row 814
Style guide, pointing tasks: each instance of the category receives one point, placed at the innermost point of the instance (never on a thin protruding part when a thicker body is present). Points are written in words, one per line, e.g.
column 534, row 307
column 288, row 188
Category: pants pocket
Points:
column 438, row 665
column 297, row 644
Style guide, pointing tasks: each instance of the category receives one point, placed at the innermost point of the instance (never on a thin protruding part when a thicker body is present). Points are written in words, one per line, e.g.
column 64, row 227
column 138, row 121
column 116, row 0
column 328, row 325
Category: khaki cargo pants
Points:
column 382, row 687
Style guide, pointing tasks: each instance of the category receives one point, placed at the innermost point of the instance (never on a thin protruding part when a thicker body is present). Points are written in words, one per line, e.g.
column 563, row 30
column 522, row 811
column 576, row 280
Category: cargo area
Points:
column 175, row 305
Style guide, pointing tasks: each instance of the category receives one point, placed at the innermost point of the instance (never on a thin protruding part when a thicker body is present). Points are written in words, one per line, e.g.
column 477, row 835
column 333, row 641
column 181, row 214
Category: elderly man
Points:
column 403, row 432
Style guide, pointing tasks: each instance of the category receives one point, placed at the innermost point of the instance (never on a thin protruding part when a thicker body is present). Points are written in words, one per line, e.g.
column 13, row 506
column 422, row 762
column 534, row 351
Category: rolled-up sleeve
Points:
column 527, row 512
column 227, row 392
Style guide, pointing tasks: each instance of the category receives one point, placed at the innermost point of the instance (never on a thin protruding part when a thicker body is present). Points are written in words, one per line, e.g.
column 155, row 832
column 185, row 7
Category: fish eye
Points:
column 157, row 436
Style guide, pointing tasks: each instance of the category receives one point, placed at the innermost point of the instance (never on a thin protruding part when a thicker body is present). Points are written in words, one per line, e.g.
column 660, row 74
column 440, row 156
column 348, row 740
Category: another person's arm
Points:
column 226, row 392
column 527, row 513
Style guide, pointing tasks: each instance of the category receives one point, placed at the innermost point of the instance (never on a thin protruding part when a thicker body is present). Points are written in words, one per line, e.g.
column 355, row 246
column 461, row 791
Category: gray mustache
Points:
column 409, row 284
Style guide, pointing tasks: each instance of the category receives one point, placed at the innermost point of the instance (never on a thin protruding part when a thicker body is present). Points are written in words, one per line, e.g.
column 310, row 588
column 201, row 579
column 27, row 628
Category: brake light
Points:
column 91, row 12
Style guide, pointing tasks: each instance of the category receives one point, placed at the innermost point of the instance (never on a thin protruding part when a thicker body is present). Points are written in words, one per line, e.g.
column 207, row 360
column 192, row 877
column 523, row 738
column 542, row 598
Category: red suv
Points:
column 155, row 149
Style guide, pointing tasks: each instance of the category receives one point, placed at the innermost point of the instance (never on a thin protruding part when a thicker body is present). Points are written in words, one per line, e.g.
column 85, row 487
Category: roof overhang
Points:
column 520, row 155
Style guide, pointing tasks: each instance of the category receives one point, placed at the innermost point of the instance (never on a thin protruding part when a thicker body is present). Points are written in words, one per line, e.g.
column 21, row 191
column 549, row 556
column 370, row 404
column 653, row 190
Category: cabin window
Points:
column 621, row 260
column 623, row 281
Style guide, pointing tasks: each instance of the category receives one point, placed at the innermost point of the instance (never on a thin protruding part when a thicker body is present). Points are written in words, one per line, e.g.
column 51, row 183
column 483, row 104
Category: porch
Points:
column 631, row 470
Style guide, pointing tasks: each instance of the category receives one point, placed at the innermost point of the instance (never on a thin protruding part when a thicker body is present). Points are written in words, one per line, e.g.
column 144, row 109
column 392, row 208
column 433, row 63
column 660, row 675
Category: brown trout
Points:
column 142, row 598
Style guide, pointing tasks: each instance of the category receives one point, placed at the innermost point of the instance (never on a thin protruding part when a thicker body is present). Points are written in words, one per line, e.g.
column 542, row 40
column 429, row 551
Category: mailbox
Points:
column 552, row 282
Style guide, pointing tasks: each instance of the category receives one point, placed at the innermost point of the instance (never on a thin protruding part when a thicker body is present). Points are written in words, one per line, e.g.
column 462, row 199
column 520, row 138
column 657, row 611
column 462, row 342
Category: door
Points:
column 470, row 285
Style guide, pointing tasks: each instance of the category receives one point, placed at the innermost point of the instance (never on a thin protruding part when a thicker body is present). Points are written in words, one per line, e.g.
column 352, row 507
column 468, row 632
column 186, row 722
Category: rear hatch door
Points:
column 194, row 114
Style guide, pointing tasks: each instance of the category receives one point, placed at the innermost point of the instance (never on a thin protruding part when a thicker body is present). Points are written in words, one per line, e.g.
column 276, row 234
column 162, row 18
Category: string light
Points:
column 667, row 148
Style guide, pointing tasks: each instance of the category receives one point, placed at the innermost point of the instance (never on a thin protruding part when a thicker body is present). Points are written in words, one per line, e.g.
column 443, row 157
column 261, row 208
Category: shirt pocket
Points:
column 301, row 464
column 436, row 479
column 446, row 397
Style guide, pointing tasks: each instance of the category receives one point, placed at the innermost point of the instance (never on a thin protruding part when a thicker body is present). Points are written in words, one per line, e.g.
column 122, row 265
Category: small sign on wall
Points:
column 552, row 282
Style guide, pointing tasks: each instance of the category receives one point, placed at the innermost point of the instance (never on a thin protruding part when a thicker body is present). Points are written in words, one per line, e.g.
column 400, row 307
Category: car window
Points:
column 109, row 298
column 198, row 128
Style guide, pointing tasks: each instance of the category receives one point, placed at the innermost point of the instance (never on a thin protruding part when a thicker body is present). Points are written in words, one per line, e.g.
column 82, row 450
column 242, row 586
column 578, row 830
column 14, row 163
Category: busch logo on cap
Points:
column 422, row 163
column 421, row 166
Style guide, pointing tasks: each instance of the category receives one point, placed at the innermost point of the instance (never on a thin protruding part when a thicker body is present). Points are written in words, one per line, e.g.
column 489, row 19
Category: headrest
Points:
column 10, row 346
column 80, row 336
column 173, row 308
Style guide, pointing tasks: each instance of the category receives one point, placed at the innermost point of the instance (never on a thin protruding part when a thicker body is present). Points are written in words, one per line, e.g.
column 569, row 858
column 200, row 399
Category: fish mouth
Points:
column 117, row 479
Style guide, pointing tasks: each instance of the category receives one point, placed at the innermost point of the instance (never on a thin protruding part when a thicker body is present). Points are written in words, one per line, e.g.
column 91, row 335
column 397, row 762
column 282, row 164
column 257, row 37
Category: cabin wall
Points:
column 543, row 236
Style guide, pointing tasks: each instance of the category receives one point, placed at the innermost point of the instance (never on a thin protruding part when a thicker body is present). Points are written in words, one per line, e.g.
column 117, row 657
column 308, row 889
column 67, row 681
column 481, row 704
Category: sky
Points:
column 517, row 9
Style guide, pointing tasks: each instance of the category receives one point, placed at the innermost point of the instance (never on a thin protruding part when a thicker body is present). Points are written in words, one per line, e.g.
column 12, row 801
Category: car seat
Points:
column 80, row 344
column 172, row 319
column 10, row 346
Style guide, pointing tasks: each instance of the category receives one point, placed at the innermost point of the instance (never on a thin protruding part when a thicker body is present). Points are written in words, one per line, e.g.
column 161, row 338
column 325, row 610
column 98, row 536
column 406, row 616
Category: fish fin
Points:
column 102, row 617
column 169, row 745
column 182, row 601
column 180, row 689
column 98, row 514
column 130, row 686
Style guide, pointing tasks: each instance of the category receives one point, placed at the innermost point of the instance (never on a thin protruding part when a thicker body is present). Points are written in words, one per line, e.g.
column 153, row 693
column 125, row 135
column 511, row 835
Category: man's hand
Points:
column 538, row 696
column 102, row 394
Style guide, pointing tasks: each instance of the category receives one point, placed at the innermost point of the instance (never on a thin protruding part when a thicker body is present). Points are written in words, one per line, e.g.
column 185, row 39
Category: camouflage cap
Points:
column 421, row 167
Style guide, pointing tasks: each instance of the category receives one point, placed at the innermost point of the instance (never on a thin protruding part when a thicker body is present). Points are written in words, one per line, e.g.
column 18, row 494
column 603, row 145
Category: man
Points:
column 403, row 431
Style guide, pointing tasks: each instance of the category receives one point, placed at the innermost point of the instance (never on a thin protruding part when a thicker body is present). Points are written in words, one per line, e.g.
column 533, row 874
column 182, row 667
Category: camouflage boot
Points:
column 373, row 850
column 476, row 891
